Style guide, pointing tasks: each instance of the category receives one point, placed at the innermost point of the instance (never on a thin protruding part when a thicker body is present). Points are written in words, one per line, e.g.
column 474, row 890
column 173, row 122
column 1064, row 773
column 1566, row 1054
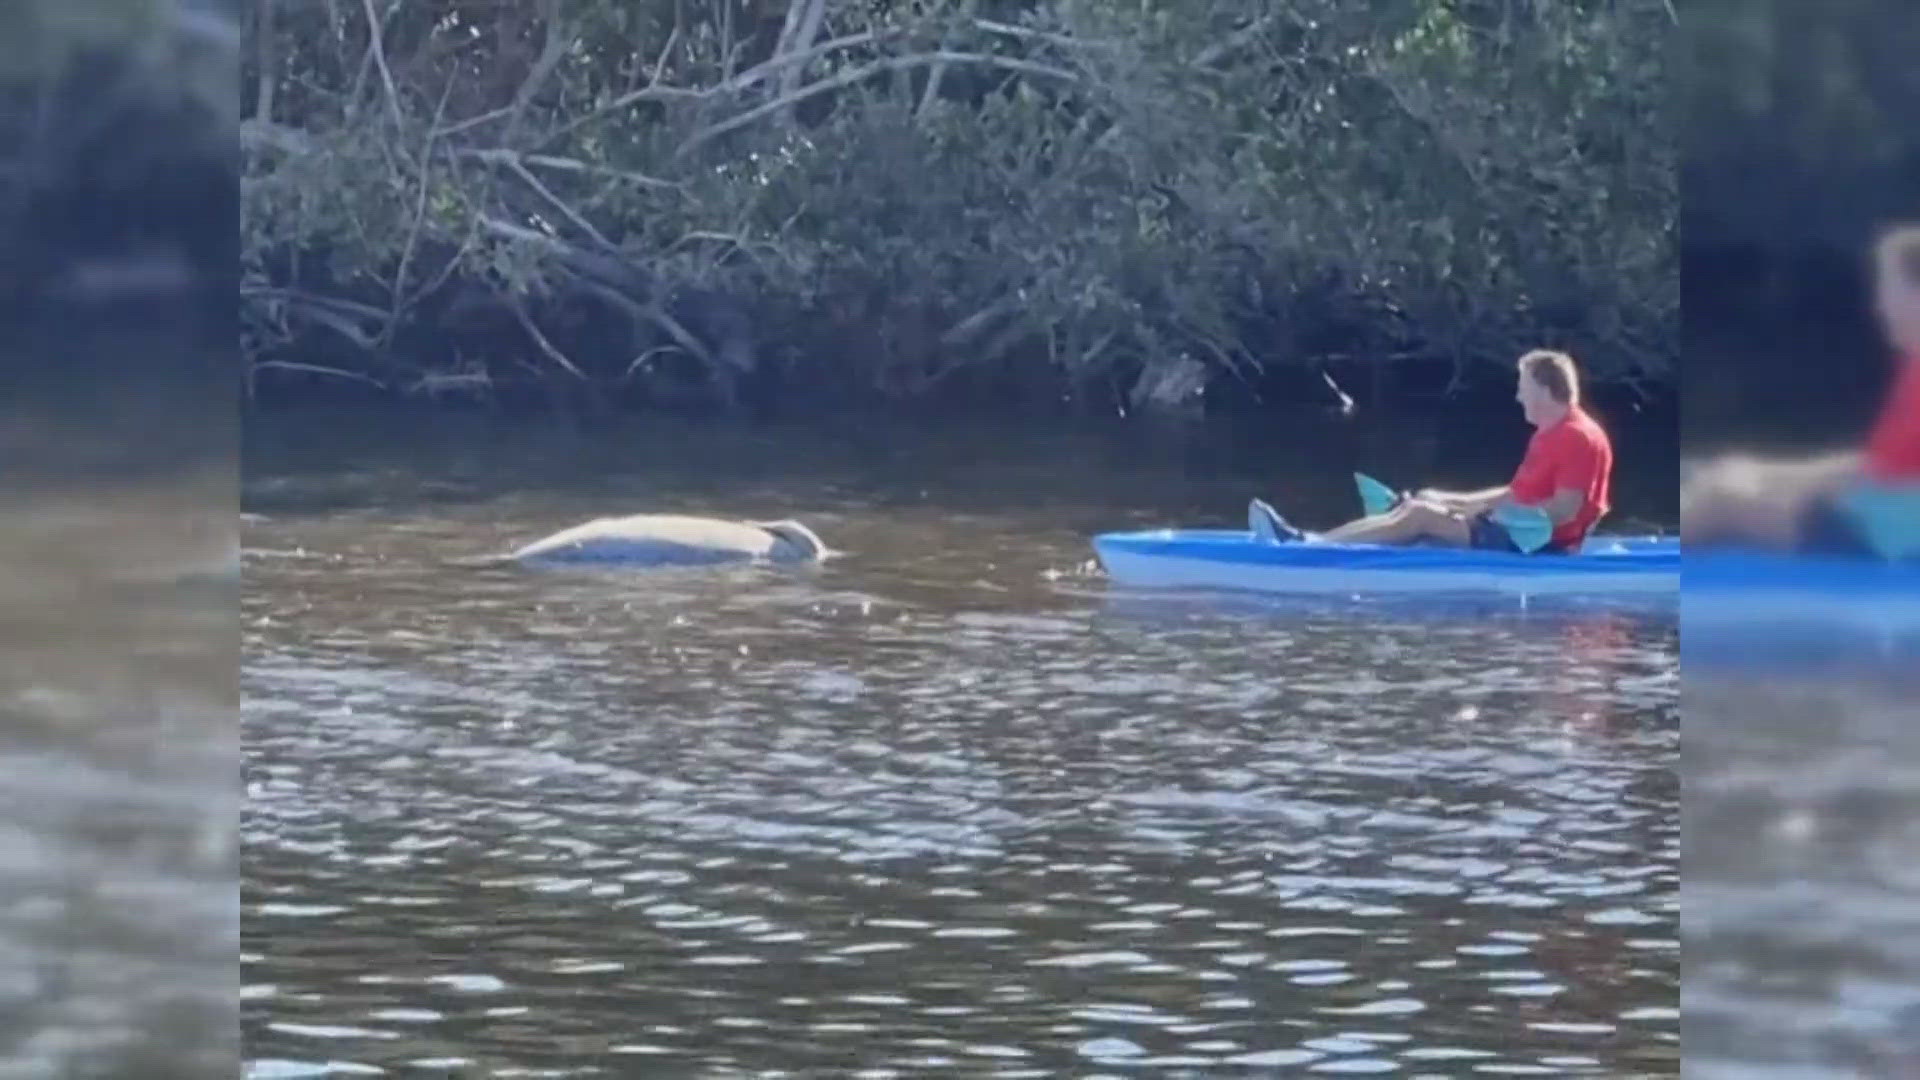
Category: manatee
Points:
column 674, row 540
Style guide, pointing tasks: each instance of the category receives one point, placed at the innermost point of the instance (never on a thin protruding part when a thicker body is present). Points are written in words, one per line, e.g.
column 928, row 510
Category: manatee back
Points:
column 630, row 551
column 651, row 540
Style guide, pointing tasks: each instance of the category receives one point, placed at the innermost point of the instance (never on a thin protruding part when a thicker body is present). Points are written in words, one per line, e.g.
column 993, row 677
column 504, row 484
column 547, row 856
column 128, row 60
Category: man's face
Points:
column 1898, row 302
column 1533, row 398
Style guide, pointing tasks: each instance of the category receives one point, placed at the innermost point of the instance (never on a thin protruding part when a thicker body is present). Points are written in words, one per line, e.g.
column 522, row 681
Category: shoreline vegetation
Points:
column 1083, row 206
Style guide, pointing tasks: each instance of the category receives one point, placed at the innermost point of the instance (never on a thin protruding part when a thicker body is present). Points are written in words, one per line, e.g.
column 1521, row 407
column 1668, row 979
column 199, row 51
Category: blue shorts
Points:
column 1825, row 529
column 1830, row 529
column 1485, row 534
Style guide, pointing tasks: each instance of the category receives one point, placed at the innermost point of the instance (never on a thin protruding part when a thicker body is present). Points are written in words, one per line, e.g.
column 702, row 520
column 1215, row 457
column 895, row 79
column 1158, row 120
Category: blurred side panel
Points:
column 119, row 642
column 1801, row 728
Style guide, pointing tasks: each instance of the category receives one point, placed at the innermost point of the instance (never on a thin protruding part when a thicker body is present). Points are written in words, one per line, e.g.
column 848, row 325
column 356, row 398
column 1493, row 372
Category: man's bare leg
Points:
column 1407, row 523
column 1748, row 500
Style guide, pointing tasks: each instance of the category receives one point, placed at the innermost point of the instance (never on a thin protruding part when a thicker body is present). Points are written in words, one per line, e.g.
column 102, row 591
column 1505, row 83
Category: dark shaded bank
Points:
column 800, row 381
column 321, row 459
column 1782, row 342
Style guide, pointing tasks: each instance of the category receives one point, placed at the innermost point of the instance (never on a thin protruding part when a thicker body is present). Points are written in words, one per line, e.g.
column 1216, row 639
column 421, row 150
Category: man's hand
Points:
column 1438, row 506
column 1465, row 503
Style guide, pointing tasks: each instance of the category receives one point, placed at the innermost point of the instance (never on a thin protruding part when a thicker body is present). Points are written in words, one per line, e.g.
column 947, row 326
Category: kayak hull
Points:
column 1746, row 592
column 1607, row 566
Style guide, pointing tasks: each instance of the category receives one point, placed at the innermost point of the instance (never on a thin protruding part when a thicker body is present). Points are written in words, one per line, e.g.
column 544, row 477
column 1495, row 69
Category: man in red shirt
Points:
column 1566, row 474
column 1809, row 505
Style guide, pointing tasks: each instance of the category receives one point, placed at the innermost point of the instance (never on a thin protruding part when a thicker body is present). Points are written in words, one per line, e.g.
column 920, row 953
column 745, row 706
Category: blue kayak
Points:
column 1746, row 592
column 1606, row 566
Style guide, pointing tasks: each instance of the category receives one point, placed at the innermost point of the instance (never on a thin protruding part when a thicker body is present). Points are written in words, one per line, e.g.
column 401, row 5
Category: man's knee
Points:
column 1420, row 512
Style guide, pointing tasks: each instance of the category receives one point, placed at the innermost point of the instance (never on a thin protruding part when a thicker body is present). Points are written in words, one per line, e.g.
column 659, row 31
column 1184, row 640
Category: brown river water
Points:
column 948, row 804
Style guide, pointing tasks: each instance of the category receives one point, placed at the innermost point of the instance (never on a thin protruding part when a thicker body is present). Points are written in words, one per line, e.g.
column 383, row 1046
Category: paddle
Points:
column 1888, row 518
column 1530, row 527
column 1375, row 497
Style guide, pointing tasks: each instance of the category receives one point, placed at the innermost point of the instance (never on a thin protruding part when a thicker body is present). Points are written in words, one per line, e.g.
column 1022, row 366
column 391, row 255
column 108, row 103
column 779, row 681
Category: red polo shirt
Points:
column 1893, row 448
column 1573, row 453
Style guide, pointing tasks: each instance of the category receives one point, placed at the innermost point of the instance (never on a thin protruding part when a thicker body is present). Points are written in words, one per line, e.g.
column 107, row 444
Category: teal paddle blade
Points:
column 1263, row 522
column 1529, row 526
column 1375, row 497
column 1887, row 516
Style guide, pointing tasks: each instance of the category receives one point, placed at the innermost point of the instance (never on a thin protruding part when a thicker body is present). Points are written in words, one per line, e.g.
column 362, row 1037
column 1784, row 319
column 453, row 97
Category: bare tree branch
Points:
column 376, row 48
column 268, row 76
column 425, row 181
column 540, row 340
column 848, row 78
column 1063, row 40
column 553, row 47
column 498, row 156
column 1218, row 51
column 805, row 30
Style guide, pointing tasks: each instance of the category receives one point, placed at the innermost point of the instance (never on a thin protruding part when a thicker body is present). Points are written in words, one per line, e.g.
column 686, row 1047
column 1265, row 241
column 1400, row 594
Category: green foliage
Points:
column 1067, row 190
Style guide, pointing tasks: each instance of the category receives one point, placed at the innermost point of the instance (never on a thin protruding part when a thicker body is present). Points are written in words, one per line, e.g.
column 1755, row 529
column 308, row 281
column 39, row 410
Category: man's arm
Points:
column 1466, row 502
column 1830, row 473
column 1787, row 482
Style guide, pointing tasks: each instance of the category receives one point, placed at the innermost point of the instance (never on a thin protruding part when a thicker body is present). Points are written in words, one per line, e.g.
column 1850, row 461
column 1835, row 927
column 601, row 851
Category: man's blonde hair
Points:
column 1897, row 255
column 1555, row 371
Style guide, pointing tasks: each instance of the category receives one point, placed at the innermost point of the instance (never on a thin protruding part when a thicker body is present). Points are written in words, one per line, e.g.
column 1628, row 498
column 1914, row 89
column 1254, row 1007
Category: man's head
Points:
column 1896, row 287
column 1549, row 386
